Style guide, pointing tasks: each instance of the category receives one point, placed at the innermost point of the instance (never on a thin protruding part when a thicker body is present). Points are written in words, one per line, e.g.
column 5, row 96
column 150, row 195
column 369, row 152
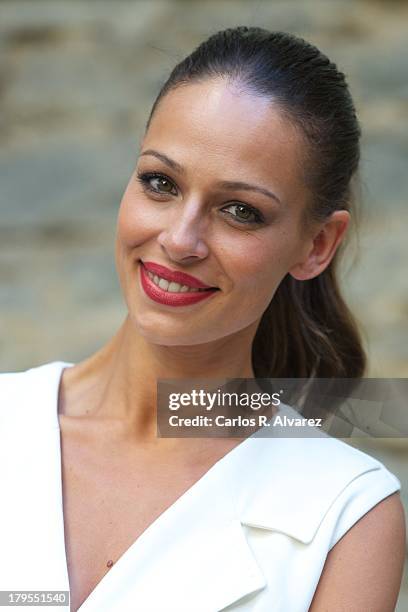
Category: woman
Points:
column 226, row 248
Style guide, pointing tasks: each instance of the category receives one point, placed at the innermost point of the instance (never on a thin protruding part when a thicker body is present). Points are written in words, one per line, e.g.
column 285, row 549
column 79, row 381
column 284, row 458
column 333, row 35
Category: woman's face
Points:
column 217, row 194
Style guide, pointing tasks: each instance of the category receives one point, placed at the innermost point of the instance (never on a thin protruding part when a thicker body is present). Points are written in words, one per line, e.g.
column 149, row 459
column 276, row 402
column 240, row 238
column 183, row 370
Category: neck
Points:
column 119, row 381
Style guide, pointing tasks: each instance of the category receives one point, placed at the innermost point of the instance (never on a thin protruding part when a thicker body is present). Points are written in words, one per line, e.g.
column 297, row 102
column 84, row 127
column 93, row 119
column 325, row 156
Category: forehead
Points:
column 219, row 127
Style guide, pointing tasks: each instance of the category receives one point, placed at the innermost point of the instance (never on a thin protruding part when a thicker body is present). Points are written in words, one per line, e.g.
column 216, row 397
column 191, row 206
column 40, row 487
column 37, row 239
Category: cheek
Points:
column 135, row 226
column 259, row 268
column 136, row 221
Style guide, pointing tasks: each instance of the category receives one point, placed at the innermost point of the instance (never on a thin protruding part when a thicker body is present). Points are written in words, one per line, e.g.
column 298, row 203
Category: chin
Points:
column 176, row 333
column 159, row 330
column 164, row 332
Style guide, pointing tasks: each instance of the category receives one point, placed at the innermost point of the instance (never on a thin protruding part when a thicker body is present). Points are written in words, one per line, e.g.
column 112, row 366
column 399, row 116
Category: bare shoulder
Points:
column 363, row 571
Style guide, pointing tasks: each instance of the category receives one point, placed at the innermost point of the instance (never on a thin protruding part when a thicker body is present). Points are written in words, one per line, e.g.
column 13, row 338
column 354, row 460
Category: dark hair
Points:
column 307, row 329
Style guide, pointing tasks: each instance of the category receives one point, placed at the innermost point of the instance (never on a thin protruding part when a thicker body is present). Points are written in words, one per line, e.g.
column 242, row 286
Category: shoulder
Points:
column 13, row 390
column 324, row 484
column 320, row 503
column 11, row 381
column 363, row 571
column 340, row 510
column 22, row 392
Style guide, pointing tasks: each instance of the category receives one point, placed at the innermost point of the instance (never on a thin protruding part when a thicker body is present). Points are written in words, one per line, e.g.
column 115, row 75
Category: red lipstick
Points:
column 175, row 276
column 172, row 298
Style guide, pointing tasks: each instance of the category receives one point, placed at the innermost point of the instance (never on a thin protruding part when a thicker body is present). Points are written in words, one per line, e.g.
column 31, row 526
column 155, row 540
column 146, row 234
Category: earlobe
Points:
column 324, row 247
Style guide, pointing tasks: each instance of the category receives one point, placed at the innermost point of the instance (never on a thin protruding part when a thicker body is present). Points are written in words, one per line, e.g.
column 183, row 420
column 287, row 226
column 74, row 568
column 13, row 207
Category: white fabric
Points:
column 252, row 534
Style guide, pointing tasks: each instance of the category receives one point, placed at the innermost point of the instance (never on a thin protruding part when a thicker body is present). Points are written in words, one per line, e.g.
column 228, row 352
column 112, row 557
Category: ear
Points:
column 325, row 242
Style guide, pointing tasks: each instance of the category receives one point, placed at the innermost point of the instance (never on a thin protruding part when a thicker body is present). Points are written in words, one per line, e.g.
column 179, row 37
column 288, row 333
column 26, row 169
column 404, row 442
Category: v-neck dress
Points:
column 251, row 534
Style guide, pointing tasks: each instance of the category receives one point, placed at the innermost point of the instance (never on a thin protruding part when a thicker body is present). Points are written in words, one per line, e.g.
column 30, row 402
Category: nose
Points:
column 183, row 237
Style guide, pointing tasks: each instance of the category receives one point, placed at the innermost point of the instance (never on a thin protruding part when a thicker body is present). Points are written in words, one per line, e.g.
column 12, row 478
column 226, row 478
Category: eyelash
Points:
column 147, row 176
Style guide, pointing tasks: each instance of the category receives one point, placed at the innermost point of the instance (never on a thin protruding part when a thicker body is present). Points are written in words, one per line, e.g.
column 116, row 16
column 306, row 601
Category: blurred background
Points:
column 77, row 80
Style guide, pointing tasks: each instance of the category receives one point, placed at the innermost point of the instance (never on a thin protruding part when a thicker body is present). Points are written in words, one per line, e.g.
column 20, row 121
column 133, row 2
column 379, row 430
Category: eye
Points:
column 157, row 183
column 243, row 213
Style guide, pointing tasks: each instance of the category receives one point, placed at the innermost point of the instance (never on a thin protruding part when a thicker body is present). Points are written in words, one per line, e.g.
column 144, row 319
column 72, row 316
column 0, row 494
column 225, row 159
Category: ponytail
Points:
column 308, row 331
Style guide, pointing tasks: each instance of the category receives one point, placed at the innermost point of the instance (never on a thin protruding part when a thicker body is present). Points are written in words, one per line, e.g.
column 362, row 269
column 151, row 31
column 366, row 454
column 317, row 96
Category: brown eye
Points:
column 162, row 184
column 157, row 183
column 242, row 213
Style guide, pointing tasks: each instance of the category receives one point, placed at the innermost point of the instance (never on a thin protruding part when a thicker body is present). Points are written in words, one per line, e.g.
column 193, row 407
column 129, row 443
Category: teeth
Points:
column 170, row 286
column 164, row 284
column 174, row 287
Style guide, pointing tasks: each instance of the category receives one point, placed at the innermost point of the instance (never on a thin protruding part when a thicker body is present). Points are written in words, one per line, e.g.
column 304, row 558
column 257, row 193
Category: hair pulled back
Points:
column 307, row 330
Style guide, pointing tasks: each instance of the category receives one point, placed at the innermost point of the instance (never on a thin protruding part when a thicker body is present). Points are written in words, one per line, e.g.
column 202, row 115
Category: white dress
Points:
column 251, row 534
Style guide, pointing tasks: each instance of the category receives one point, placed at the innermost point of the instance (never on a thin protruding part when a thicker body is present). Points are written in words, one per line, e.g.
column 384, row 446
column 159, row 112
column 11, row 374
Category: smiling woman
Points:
column 227, row 244
column 180, row 206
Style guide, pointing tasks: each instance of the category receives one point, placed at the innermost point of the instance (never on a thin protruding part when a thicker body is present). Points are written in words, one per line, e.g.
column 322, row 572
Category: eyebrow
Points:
column 239, row 185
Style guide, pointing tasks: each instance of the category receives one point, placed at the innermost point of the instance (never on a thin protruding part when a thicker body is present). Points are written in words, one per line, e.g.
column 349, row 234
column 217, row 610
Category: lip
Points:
column 173, row 275
column 168, row 298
